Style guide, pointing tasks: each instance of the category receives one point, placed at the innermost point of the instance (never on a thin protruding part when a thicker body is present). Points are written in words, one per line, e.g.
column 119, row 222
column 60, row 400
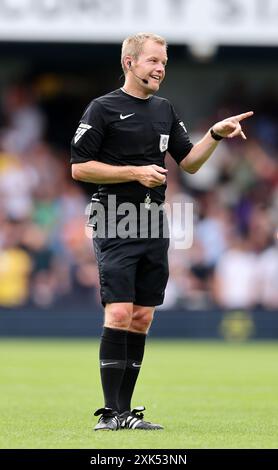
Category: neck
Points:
column 136, row 90
column 133, row 94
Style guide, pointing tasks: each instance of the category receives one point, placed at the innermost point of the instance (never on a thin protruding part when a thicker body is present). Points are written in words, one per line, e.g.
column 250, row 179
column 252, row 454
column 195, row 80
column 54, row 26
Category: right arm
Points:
column 102, row 173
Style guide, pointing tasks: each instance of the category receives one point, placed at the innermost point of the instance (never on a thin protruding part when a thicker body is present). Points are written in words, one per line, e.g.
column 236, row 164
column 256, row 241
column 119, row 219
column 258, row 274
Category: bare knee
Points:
column 118, row 315
column 142, row 318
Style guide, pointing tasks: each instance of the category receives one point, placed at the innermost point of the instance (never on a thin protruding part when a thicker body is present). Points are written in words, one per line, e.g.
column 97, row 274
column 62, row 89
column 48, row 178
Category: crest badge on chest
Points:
column 163, row 143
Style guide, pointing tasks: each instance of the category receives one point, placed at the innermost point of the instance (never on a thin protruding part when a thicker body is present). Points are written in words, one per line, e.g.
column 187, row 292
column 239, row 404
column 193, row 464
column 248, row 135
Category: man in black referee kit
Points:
column 120, row 145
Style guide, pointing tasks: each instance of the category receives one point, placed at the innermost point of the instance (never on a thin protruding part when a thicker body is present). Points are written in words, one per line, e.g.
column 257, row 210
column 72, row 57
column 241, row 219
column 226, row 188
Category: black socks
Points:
column 121, row 354
column 135, row 353
column 112, row 357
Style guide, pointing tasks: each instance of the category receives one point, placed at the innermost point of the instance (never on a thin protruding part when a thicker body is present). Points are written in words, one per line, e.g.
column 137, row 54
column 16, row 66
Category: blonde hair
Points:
column 133, row 45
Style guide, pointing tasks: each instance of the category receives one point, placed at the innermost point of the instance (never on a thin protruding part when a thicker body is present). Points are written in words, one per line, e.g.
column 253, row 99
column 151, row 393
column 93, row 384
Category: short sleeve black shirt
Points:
column 120, row 129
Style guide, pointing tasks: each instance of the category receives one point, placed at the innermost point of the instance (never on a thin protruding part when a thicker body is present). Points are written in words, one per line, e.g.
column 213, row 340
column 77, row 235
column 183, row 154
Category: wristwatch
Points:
column 214, row 135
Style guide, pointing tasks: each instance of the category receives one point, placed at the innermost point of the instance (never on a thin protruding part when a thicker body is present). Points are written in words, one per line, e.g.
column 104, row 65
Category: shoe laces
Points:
column 105, row 414
column 137, row 412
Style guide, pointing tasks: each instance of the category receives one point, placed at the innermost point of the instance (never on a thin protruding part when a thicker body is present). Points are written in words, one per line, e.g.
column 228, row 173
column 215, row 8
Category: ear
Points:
column 128, row 62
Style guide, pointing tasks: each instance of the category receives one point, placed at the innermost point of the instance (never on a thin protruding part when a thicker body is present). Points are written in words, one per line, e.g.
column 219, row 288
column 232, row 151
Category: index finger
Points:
column 242, row 116
column 159, row 169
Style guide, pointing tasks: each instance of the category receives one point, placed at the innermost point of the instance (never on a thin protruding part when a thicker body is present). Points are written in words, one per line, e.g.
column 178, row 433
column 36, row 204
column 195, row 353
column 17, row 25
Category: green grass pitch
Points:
column 206, row 394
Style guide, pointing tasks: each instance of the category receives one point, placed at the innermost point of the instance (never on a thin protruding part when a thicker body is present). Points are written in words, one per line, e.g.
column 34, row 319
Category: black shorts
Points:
column 132, row 269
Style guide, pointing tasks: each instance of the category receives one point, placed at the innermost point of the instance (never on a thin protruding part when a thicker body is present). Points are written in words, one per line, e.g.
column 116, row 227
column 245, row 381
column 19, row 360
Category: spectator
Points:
column 235, row 276
column 15, row 267
column 25, row 121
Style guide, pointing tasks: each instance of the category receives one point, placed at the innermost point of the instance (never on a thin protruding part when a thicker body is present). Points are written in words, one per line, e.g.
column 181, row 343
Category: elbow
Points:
column 75, row 173
column 192, row 171
column 189, row 169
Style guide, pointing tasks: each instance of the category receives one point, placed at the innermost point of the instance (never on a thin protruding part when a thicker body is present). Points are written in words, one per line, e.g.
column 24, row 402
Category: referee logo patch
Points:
column 82, row 128
column 163, row 144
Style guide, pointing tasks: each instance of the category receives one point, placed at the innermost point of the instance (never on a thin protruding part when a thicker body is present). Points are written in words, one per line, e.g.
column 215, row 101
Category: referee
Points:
column 120, row 145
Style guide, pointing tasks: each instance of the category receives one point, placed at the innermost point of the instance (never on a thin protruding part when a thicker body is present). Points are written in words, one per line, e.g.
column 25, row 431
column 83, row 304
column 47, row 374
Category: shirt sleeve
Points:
column 87, row 140
column 179, row 141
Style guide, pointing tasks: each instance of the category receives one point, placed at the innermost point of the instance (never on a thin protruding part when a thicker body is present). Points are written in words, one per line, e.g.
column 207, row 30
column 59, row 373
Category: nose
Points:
column 160, row 68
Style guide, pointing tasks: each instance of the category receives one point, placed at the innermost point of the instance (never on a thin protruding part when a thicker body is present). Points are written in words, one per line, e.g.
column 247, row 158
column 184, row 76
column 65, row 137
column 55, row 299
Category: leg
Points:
column 117, row 261
column 151, row 279
column 141, row 320
column 112, row 352
column 135, row 343
column 112, row 355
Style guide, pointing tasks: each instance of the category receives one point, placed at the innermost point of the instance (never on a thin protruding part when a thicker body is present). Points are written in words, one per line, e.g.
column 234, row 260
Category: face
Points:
column 150, row 65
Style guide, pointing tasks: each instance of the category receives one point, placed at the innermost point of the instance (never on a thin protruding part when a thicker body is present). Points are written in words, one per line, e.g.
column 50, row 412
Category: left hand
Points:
column 231, row 127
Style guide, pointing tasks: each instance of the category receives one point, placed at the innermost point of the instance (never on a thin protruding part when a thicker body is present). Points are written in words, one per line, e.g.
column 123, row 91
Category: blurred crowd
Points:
column 46, row 256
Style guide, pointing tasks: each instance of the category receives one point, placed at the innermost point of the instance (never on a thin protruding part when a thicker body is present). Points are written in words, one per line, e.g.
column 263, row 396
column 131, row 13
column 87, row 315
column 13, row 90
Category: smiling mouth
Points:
column 156, row 77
